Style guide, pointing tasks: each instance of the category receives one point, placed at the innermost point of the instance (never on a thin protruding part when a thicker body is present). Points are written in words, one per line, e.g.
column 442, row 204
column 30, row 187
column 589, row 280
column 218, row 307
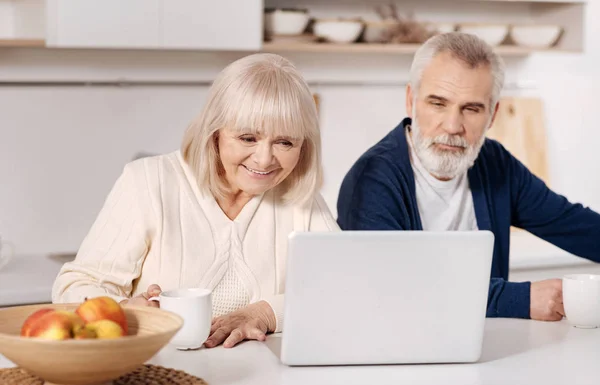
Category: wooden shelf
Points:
column 535, row 1
column 394, row 49
column 22, row 43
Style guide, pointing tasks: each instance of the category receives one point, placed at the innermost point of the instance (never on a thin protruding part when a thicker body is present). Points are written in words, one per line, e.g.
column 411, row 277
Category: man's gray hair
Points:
column 466, row 47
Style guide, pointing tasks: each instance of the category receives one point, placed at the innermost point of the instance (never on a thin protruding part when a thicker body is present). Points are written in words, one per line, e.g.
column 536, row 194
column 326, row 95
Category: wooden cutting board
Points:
column 520, row 127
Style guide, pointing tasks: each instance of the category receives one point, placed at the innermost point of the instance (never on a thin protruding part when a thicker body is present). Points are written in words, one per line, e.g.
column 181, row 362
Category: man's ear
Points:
column 409, row 101
column 494, row 115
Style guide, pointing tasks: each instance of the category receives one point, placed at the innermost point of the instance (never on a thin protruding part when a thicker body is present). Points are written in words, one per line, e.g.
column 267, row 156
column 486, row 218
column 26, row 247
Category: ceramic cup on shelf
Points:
column 581, row 299
column 195, row 307
column 6, row 252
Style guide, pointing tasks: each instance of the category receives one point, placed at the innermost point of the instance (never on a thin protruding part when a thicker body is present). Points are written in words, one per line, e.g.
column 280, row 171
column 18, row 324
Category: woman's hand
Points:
column 250, row 323
column 142, row 299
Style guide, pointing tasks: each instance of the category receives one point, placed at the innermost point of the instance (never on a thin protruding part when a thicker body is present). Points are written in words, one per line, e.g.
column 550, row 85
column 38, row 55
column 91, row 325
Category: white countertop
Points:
column 514, row 352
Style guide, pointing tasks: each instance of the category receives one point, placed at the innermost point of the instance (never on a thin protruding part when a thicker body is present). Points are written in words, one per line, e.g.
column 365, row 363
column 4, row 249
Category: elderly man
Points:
column 437, row 171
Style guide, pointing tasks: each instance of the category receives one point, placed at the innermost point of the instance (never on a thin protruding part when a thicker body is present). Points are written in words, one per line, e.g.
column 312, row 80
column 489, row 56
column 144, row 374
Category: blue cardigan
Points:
column 378, row 193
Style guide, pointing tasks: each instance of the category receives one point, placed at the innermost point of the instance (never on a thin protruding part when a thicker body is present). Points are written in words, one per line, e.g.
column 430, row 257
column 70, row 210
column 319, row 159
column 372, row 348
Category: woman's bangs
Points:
column 271, row 109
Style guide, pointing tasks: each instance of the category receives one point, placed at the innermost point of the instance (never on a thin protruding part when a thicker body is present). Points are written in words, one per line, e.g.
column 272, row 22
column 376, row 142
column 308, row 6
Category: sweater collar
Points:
column 214, row 213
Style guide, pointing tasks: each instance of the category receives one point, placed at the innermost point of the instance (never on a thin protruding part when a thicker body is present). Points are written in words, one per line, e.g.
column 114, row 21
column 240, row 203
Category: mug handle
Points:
column 155, row 298
column 5, row 258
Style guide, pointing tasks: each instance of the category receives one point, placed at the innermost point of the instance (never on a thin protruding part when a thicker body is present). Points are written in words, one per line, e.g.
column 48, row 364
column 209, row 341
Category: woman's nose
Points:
column 263, row 156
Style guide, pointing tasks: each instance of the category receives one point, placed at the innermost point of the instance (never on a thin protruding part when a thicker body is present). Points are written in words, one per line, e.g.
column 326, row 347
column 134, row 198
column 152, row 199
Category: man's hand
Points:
column 546, row 300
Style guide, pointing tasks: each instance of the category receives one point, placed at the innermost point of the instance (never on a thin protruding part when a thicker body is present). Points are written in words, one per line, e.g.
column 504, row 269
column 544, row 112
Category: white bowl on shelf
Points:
column 535, row 36
column 285, row 21
column 338, row 31
column 493, row 34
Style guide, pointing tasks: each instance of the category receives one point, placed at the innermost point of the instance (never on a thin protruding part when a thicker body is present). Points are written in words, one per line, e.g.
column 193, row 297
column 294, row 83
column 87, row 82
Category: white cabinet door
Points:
column 104, row 23
column 212, row 24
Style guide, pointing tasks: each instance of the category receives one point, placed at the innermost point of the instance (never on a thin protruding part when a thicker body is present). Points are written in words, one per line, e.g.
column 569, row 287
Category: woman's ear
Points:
column 215, row 138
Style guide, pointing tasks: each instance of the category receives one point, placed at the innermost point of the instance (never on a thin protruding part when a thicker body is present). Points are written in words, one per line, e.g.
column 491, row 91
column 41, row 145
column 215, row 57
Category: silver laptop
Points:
column 385, row 297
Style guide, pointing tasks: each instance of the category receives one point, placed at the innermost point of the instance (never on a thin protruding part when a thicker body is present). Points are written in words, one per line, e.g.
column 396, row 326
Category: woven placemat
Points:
column 144, row 375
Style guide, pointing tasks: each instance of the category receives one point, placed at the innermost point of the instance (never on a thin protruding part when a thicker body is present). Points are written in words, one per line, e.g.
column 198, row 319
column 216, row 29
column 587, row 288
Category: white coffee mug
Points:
column 195, row 307
column 581, row 299
column 5, row 255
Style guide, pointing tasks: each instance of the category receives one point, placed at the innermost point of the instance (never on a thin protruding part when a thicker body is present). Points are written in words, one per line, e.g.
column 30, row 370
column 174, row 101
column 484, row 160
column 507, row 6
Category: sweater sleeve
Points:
column 320, row 220
column 111, row 255
column 508, row 299
column 550, row 216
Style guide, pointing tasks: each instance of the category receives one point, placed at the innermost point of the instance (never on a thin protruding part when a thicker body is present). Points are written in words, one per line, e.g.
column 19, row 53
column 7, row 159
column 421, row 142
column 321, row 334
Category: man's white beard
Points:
column 444, row 164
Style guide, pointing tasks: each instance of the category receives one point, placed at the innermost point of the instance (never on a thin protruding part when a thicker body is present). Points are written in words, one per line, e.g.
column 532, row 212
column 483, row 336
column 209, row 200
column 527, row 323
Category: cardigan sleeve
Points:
column 320, row 219
column 111, row 255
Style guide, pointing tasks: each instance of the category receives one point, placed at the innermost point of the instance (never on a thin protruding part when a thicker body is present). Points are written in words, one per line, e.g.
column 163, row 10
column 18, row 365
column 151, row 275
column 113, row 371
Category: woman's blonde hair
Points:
column 258, row 93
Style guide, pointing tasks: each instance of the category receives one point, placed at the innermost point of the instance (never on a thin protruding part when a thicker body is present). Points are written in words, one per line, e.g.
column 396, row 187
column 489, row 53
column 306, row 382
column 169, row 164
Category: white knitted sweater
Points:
column 156, row 227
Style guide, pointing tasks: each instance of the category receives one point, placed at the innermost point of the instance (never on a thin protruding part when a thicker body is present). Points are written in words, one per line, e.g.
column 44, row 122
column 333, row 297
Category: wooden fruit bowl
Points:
column 86, row 362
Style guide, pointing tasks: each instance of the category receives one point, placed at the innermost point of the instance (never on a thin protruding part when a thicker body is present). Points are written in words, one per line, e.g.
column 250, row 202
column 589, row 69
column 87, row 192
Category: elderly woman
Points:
column 217, row 213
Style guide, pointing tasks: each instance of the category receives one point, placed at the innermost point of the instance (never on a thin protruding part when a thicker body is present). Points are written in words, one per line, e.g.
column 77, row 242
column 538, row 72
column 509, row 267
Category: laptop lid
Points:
column 385, row 297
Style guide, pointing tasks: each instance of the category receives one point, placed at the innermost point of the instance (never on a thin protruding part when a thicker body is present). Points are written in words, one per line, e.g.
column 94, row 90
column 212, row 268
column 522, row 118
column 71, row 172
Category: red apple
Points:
column 56, row 325
column 102, row 308
column 31, row 320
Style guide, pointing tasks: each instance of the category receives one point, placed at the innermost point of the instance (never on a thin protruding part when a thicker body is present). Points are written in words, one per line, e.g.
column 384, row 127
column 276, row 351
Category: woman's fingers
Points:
column 217, row 337
column 236, row 336
column 153, row 290
column 216, row 323
column 155, row 304
column 256, row 334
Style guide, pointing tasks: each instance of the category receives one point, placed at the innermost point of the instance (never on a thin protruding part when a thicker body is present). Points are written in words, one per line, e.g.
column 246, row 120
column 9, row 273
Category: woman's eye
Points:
column 286, row 143
column 248, row 139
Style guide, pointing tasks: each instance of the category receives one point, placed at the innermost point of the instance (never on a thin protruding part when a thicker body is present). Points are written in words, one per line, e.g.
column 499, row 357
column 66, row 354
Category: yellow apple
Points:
column 85, row 333
column 105, row 329
column 102, row 308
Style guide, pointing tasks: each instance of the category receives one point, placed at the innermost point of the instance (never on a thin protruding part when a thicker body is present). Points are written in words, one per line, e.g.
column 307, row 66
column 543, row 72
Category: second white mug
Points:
column 581, row 298
column 195, row 307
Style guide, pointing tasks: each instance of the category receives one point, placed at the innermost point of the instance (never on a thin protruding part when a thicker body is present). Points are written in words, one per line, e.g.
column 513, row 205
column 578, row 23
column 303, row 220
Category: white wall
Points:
column 62, row 147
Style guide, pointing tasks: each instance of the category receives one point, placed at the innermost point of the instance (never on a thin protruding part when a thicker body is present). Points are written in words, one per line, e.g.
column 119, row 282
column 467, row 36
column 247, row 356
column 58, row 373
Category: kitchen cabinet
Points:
column 103, row 24
column 215, row 25
column 155, row 24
